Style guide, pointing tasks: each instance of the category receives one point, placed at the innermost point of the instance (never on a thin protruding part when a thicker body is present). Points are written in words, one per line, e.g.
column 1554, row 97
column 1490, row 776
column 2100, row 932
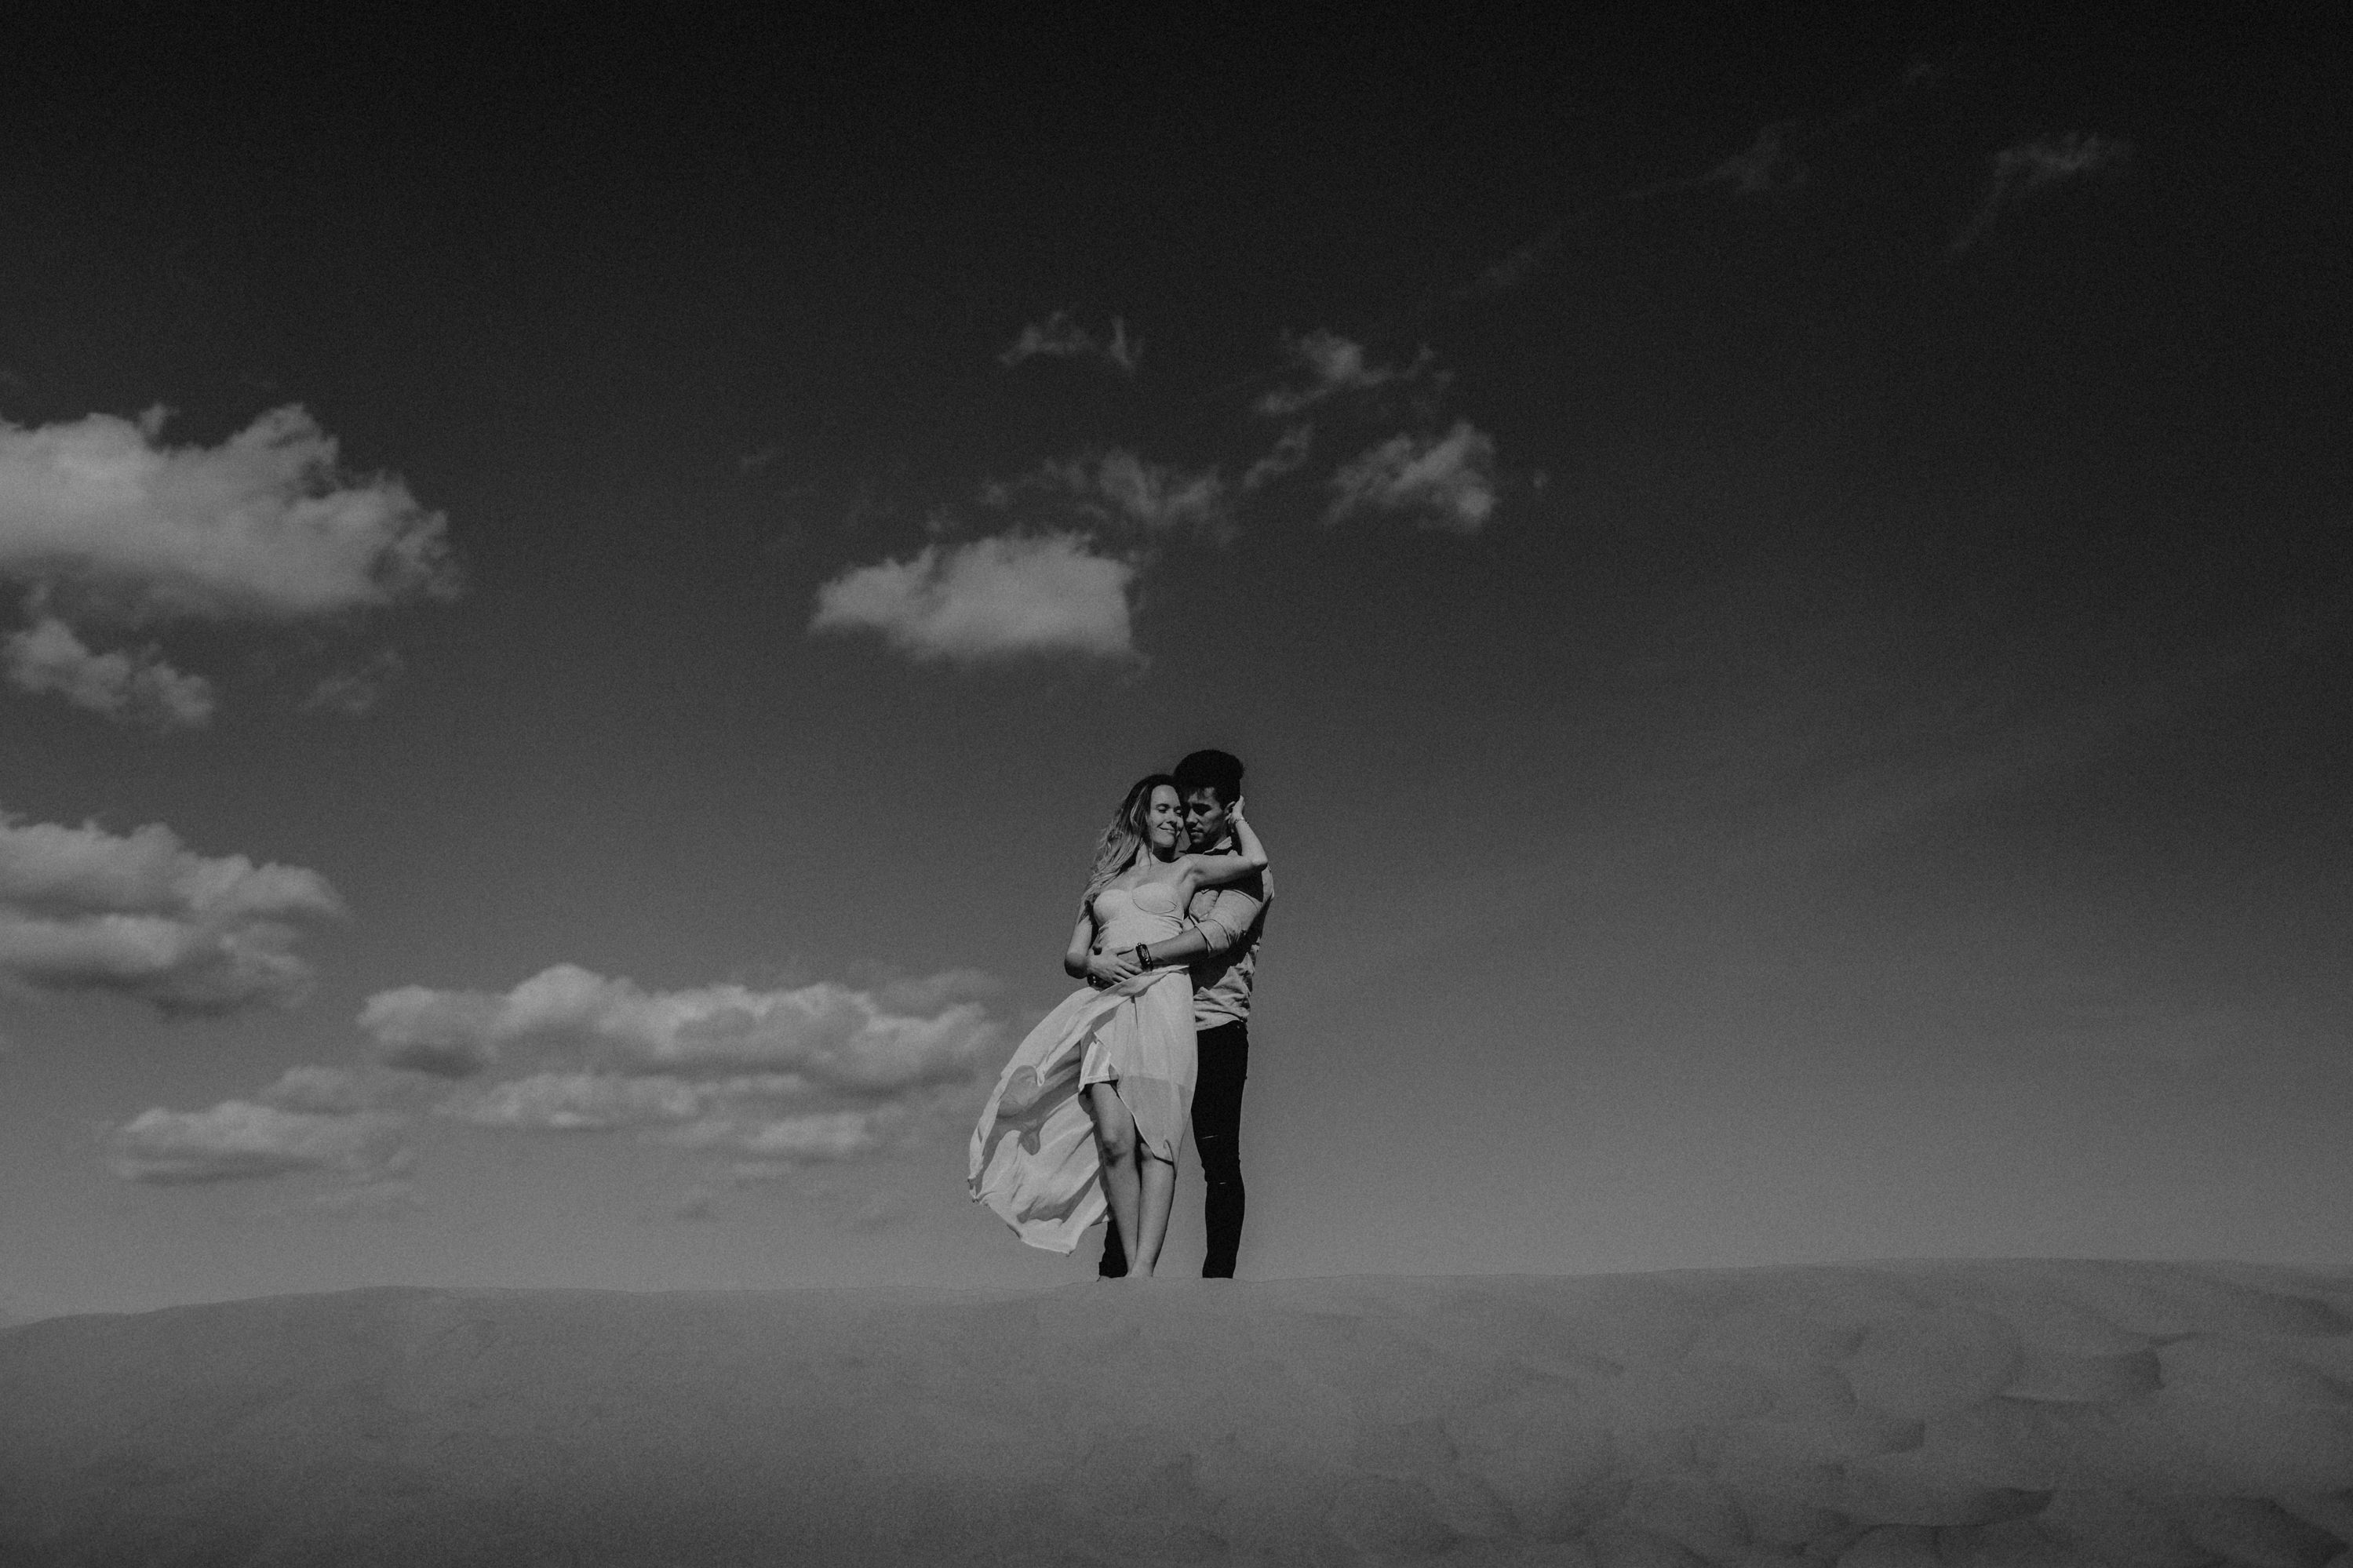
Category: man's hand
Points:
column 1105, row 970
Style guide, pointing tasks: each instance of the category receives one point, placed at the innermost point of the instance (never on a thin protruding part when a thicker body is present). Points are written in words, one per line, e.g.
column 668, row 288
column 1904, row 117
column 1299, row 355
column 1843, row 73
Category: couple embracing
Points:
column 1087, row 1117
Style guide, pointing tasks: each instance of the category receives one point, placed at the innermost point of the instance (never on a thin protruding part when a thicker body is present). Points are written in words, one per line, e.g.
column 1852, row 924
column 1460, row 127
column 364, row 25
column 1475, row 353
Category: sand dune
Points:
column 2023, row 1413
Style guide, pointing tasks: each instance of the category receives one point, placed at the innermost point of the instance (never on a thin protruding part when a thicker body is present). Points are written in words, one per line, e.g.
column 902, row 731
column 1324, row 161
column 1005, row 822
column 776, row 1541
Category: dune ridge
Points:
column 2171, row 1416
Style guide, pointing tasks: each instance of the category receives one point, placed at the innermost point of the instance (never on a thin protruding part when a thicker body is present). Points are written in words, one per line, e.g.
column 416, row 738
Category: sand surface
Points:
column 2016, row 1413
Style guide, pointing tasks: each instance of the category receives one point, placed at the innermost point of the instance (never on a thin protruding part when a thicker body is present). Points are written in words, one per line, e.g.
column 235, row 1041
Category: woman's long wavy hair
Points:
column 1125, row 839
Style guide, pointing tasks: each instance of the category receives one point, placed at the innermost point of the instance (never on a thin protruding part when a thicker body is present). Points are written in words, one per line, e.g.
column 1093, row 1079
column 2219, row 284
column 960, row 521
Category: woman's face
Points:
column 1164, row 819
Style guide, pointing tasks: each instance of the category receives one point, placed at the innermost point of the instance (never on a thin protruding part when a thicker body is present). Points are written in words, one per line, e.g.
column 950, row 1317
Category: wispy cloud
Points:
column 1763, row 167
column 1444, row 481
column 1325, row 363
column 1799, row 736
column 2032, row 166
column 1060, row 336
column 1516, row 266
column 1119, row 486
column 140, row 915
column 997, row 598
column 240, row 1140
column 1156, row 496
column 354, row 692
column 1288, row 453
column 130, row 686
column 1766, row 166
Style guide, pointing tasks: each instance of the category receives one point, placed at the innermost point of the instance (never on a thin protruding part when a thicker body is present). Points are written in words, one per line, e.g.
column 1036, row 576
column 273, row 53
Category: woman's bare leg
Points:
column 1157, row 1182
column 1115, row 1141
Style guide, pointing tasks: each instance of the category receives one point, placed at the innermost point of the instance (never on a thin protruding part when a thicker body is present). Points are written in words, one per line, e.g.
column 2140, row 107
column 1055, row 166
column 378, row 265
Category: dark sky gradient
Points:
column 1876, row 784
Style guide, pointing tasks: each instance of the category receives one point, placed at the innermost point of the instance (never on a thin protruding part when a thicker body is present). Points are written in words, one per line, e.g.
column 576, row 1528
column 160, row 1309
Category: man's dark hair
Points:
column 1218, row 770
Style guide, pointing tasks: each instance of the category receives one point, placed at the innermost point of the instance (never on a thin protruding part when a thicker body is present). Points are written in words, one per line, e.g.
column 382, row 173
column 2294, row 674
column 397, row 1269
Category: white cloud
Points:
column 775, row 1078
column 1157, row 496
column 1284, row 455
column 140, row 688
column 352, row 692
column 579, row 1101
column 2031, row 166
column 1123, row 350
column 1516, row 266
column 263, row 525
column 836, row 1037
column 141, row 915
column 601, row 1101
column 1333, row 364
column 107, row 524
column 240, row 1140
column 992, row 598
column 776, row 1144
column 1764, row 168
column 1060, row 336
column 814, row 1072
column 1119, row 486
column 1446, row 481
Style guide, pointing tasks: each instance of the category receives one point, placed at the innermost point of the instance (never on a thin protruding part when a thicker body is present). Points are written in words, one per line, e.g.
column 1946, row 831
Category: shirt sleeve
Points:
column 1228, row 914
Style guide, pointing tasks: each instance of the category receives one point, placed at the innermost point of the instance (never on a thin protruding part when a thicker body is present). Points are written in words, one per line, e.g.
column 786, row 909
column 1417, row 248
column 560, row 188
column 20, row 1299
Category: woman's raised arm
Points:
column 1217, row 870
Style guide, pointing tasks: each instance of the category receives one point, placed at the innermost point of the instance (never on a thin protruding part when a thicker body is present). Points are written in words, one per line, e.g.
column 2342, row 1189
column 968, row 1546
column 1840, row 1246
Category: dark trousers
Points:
column 1217, row 1134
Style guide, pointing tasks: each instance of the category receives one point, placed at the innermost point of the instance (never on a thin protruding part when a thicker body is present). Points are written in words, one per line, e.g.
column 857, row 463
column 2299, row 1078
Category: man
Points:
column 1221, row 946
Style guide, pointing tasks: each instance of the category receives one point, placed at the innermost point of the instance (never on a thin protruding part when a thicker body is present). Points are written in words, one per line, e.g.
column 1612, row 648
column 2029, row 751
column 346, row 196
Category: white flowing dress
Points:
column 1034, row 1159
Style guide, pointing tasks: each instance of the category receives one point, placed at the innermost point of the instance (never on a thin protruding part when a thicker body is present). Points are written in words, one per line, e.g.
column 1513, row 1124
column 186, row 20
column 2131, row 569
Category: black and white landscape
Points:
column 575, row 596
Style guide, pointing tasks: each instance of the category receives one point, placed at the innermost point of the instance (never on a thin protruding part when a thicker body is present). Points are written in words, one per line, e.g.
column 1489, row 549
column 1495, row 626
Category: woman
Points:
column 1090, row 1111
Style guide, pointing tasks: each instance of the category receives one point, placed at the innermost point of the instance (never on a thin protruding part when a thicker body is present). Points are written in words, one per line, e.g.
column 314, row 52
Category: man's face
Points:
column 1204, row 820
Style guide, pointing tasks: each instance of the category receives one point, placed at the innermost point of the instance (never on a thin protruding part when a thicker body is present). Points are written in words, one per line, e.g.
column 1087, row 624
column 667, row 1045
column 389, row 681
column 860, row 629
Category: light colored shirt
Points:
column 1232, row 919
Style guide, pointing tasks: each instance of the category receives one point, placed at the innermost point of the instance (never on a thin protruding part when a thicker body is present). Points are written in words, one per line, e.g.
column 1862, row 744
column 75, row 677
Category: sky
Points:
column 574, row 600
